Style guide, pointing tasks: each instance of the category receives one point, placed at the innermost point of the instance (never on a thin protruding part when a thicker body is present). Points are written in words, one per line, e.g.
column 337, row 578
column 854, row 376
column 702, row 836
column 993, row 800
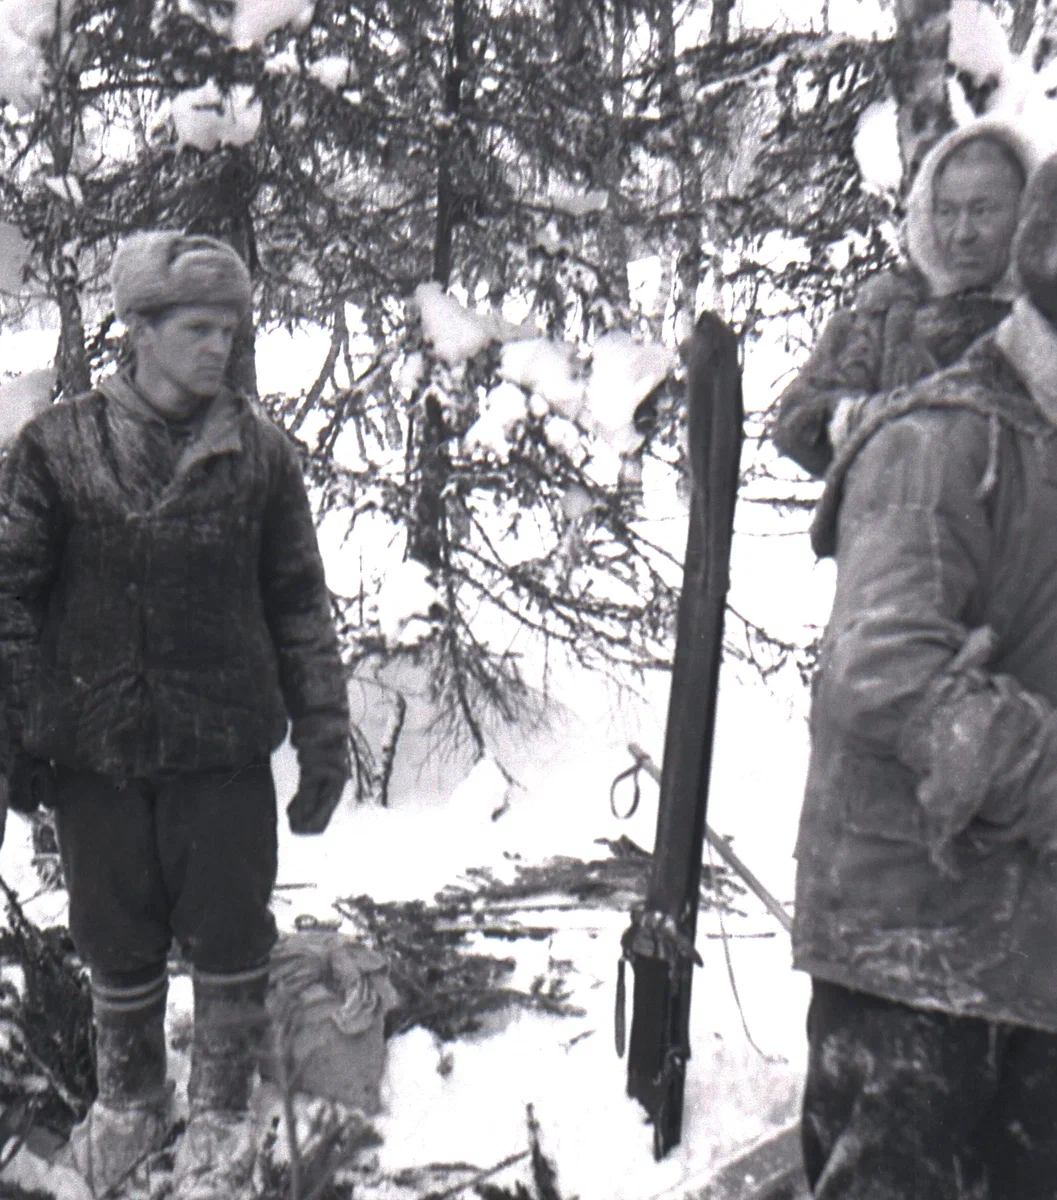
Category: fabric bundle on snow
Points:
column 328, row 1001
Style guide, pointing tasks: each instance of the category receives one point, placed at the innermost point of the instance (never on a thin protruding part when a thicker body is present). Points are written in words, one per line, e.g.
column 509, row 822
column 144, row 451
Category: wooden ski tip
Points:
column 712, row 336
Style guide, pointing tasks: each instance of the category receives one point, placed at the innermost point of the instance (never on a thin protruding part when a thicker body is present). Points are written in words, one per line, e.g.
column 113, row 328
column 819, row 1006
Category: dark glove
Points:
column 31, row 783
column 984, row 749
column 317, row 796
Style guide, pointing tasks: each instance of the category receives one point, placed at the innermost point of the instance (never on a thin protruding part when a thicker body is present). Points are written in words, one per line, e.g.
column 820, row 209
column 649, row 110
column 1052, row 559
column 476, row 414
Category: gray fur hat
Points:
column 154, row 270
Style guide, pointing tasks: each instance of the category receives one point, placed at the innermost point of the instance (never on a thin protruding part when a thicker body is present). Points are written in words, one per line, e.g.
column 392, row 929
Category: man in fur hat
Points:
column 907, row 324
column 163, row 614
column 926, row 904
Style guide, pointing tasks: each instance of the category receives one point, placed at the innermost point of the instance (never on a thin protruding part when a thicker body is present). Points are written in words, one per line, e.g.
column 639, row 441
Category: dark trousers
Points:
column 903, row 1104
column 190, row 856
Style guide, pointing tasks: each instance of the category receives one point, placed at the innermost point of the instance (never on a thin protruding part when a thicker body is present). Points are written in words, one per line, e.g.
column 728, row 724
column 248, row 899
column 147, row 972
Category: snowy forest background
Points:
column 575, row 172
column 479, row 232
column 593, row 174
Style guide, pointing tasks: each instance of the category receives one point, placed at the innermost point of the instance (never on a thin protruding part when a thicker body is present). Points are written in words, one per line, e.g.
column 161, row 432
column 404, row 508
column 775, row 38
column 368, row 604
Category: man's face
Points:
column 187, row 346
column 974, row 214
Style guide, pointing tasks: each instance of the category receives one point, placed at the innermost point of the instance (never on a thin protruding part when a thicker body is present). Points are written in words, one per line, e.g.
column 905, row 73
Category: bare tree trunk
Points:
column 458, row 61
column 1023, row 23
column 426, row 542
column 690, row 184
column 719, row 27
column 613, row 235
column 919, row 78
column 223, row 210
column 71, row 358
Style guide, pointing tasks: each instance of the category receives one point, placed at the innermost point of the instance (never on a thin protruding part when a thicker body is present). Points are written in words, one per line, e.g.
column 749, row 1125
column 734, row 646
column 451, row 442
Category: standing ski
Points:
column 659, row 943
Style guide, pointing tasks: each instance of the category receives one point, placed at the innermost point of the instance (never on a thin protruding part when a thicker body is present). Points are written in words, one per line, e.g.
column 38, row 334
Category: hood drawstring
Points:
column 990, row 477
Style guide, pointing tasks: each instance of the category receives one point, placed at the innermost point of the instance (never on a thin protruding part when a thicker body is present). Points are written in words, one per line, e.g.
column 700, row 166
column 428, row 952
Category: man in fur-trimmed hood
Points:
column 908, row 324
column 926, row 898
column 163, row 618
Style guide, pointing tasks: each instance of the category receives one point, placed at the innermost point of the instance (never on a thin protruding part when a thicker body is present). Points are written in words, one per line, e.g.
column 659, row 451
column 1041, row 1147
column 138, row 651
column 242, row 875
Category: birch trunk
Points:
column 919, row 78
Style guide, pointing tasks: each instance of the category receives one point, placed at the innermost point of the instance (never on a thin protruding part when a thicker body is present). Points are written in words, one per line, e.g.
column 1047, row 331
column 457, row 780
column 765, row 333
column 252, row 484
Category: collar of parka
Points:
column 218, row 430
column 1029, row 343
column 923, row 248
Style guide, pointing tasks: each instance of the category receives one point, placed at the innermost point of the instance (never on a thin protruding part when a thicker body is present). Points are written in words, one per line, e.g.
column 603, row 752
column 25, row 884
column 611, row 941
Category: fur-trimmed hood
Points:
column 922, row 247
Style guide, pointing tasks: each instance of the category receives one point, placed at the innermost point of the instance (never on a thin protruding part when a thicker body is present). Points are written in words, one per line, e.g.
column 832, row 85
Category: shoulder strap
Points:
column 982, row 382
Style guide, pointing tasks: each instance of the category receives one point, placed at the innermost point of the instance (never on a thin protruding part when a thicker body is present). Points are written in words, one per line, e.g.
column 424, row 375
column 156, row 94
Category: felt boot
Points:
column 132, row 1113
column 215, row 1157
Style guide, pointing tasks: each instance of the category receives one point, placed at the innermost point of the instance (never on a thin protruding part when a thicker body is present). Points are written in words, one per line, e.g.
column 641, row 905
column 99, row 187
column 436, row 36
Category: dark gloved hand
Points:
column 31, row 783
column 315, row 800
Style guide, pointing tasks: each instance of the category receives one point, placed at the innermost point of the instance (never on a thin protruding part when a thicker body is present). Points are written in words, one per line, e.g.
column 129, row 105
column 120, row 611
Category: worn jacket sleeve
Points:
column 32, row 535
column 906, row 670
column 297, row 607
column 845, row 364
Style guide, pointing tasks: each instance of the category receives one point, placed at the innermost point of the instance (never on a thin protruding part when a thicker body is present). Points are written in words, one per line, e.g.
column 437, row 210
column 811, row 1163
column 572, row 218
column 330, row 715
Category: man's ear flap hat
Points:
column 153, row 271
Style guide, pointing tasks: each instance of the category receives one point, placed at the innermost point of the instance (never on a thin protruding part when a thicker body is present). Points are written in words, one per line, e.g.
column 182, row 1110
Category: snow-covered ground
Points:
column 473, row 1107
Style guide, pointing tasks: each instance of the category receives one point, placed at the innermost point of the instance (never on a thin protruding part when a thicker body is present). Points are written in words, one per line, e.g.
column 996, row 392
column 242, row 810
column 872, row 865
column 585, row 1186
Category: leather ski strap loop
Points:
column 631, row 773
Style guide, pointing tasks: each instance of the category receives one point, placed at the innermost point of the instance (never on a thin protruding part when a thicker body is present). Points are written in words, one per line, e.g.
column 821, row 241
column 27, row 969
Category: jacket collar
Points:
column 218, row 433
column 1029, row 343
column 922, row 246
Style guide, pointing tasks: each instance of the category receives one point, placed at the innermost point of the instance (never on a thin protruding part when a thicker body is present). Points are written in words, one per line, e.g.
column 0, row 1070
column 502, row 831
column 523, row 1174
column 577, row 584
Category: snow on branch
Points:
column 578, row 204
column 206, row 118
column 599, row 390
column 22, row 398
column 876, row 147
column 26, row 26
column 456, row 333
column 250, row 21
column 978, row 46
column 406, row 604
column 988, row 79
column 334, row 71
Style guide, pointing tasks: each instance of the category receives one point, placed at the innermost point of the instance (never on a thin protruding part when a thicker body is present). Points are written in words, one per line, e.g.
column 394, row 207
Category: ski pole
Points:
column 722, row 847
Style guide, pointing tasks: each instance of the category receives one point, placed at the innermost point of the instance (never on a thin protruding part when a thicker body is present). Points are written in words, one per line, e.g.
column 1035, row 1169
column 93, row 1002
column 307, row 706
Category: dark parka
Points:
column 927, row 852
column 904, row 325
column 159, row 617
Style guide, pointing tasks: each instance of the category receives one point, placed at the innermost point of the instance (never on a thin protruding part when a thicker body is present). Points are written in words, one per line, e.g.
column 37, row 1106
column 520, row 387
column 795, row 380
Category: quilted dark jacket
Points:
column 927, row 853
column 163, row 620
